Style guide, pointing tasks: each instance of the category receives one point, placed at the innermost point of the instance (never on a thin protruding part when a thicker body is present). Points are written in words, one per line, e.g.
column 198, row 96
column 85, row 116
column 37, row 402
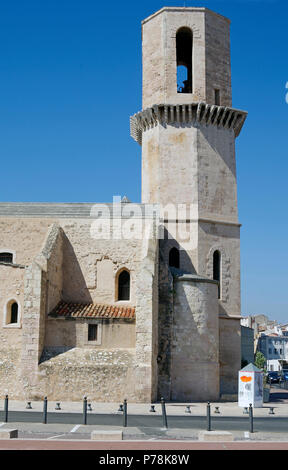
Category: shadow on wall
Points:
column 74, row 284
column 216, row 145
column 166, row 244
column 61, row 334
column 50, row 352
column 166, row 309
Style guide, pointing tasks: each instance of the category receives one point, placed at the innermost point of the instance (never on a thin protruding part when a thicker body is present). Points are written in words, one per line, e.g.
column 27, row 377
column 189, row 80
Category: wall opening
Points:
column 217, row 270
column 124, row 285
column 174, row 258
column 92, row 332
column 184, row 51
column 217, row 97
column 6, row 257
column 12, row 313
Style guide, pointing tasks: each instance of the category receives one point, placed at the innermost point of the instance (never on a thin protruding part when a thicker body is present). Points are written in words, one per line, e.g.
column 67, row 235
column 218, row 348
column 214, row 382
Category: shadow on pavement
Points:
column 278, row 395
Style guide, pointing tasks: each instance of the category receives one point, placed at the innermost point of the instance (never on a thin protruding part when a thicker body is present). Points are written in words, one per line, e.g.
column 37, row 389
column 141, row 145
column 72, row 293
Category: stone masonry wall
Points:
column 43, row 283
column 72, row 265
column 195, row 343
column 11, row 282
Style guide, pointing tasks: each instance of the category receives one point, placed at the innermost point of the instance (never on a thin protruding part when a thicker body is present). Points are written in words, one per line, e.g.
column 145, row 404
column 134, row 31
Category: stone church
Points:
column 138, row 301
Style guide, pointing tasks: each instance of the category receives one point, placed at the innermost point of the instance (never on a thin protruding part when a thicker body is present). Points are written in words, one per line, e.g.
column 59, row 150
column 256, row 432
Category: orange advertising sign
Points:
column 244, row 378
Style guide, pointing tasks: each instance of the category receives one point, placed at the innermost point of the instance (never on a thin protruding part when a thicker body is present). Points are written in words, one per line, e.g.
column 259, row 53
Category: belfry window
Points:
column 217, row 270
column 184, row 51
column 124, row 285
column 6, row 258
column 174, row 258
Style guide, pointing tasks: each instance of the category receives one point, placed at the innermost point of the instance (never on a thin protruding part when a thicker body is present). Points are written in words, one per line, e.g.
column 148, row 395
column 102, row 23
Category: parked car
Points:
column 285, row 375
column 273, row 377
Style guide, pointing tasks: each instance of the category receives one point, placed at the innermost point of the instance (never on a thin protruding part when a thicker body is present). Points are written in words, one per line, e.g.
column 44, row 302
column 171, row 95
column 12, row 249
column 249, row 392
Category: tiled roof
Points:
column 72, row 310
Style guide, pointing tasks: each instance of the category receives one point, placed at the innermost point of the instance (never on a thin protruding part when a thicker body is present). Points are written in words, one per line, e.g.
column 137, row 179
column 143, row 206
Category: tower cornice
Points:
column 185, row 10
column 187, row 114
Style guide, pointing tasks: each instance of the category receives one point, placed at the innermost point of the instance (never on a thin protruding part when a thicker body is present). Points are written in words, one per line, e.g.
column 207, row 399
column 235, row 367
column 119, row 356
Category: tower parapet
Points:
column 193, row 113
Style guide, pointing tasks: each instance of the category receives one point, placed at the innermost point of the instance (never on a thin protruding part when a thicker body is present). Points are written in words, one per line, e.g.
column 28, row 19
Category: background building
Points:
column 271, row 339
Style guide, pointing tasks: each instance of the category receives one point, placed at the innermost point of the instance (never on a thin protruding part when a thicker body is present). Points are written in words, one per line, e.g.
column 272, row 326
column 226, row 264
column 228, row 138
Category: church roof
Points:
column 92, row 310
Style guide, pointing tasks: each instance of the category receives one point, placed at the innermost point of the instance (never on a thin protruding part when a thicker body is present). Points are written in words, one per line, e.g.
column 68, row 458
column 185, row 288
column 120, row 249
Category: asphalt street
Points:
column 269, row 424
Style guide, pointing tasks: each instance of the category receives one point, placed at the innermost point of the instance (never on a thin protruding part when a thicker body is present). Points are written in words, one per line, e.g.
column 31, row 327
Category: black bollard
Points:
column 45, row 410
column 208, row 417
column 152, row 409
column 28, row 407
column 85, row 410
column 164, row 415
column 6, row 409
column 125, row 414
column 251, row 418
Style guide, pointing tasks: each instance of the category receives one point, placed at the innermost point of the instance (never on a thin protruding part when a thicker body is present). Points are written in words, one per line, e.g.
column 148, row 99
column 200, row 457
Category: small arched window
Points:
column 184, row 51
column 174, row 258
column 124, row 285
column 6, row 257
column 217, row 270
column 12, row 313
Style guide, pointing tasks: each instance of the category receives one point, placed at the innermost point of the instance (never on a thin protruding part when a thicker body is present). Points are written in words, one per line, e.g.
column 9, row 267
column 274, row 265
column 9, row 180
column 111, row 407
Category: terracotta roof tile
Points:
column 72, row 310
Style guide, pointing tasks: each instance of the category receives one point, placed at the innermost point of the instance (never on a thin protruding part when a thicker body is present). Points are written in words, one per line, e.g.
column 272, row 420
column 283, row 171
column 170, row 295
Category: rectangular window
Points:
column 92, row 332
column 217, row 97
column 6, row 258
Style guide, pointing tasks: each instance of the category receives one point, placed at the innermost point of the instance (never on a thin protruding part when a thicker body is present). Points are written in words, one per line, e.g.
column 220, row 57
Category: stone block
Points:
column 107, row 435
column 8, row 433
column 215, row 436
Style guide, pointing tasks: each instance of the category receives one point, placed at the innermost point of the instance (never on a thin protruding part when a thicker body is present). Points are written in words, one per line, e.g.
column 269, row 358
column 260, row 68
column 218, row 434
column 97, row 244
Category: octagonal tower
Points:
column 187, row 129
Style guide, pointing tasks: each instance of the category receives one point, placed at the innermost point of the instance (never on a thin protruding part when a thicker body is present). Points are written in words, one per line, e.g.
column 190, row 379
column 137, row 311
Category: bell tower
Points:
column 195, row 40
column 187, row 129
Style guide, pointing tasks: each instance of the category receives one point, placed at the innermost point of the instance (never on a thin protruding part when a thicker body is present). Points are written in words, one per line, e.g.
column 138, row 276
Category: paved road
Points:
column 269, row 424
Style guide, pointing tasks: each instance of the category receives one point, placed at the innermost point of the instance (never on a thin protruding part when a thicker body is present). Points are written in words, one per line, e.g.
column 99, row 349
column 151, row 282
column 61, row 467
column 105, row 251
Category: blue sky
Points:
column 70, row 77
